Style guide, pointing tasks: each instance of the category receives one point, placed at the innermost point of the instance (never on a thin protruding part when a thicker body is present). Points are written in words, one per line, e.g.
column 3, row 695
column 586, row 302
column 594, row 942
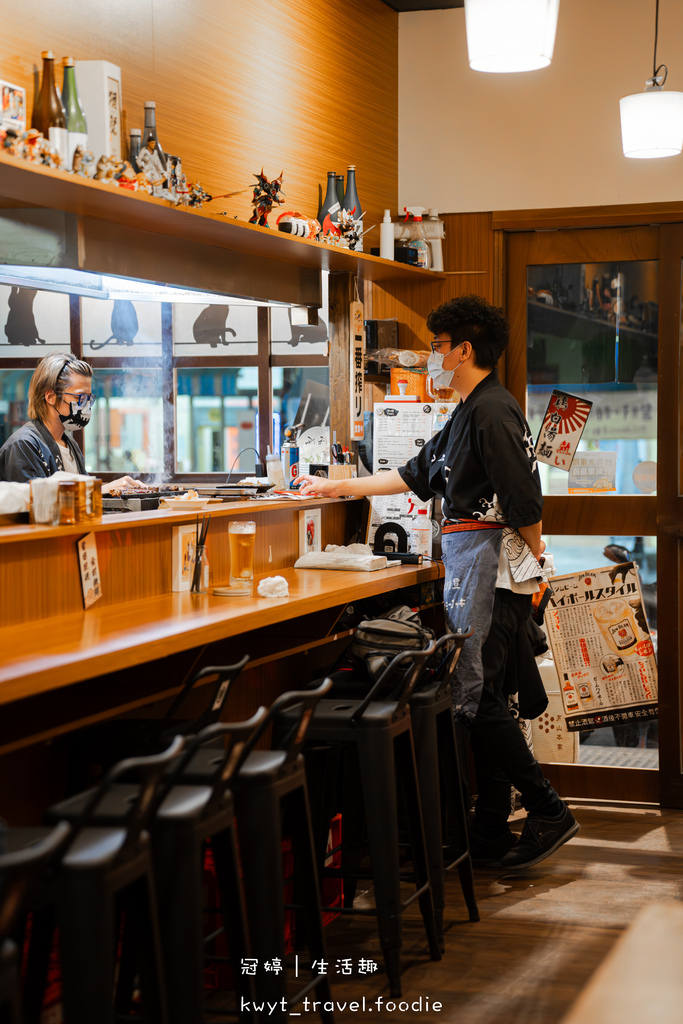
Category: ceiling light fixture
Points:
column 505, row 36
column 652, row 121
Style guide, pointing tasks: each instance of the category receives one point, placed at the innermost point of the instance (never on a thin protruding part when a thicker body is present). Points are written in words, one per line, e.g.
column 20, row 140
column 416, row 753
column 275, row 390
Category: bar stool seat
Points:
column 379, row 730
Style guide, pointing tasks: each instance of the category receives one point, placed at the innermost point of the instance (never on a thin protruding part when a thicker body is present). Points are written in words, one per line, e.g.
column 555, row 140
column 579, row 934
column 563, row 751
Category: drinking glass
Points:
column 241, row 536
column 45, row 500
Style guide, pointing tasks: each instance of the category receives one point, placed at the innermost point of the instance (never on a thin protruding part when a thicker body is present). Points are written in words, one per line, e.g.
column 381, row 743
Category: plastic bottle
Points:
column 419, row 253
column 274, row 470
column 421, row 533
column 435, row 236
column 386, row 237
column 76, row 125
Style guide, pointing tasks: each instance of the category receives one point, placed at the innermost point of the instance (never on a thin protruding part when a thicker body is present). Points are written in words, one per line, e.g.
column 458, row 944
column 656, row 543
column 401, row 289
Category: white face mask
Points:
column 442, row 378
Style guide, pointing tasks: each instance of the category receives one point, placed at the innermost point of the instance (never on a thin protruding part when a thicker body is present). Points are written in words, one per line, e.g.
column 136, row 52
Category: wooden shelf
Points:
column 27, row 185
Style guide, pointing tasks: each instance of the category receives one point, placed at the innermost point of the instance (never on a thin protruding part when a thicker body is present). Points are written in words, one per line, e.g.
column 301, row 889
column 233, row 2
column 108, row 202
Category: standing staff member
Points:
column 60, row 400
column 483, row 465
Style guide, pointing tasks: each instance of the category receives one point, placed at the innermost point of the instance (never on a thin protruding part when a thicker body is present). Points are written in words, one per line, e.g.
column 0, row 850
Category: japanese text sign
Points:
column 356, row 371
column 562, row 428
column 90, row 570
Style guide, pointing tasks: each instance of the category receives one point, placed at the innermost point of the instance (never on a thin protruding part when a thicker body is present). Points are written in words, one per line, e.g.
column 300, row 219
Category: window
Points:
column 176, row 372
column 592, row 332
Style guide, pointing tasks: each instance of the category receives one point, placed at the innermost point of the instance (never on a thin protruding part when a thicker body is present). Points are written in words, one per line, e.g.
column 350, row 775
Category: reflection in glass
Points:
column 592, row 331
column 126, row 431
column 301, row 399
column 216, row 417
column 630, row 744
column 291, row 333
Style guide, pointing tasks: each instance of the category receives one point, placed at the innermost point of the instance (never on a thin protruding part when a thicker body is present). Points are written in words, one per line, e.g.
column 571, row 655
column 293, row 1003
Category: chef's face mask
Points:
column 442, row 378
column 80, row 410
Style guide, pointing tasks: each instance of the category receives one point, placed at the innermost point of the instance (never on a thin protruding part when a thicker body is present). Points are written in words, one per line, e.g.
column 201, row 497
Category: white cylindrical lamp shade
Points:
column 505, row 36
column 652, row 124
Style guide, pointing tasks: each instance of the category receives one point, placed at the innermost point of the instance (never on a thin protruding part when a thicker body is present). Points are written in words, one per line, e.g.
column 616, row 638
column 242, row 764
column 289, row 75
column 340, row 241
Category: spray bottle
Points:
column 290, row 459
column 419, row 253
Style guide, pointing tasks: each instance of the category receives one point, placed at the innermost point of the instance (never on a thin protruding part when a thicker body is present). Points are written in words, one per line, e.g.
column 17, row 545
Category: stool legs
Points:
column 227, row 863
column 425, row 740
column 178, row 871
column 377, row 769
column 449, row 773
column 408, row 784
column 87, row 950
column 260, row 830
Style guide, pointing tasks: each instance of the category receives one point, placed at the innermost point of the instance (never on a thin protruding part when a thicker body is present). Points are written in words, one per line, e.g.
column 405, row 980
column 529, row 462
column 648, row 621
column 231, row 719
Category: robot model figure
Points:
column 266, row 193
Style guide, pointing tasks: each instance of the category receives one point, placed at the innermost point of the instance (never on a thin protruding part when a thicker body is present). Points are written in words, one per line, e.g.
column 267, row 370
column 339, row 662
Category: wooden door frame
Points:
column 616, row 515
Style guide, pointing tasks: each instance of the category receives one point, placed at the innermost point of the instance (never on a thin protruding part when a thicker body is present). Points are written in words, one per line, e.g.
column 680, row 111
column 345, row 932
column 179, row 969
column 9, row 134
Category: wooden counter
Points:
column 46, row 655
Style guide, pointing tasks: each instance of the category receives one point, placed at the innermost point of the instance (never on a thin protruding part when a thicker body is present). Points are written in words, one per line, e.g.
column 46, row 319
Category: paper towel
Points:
column 273, row 586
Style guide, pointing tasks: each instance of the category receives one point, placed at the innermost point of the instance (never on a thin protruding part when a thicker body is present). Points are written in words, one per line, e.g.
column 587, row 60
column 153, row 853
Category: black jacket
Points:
column 31, row 452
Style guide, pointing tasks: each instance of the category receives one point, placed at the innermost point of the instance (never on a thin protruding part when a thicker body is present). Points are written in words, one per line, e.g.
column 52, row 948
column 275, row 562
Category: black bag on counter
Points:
column 377, row 641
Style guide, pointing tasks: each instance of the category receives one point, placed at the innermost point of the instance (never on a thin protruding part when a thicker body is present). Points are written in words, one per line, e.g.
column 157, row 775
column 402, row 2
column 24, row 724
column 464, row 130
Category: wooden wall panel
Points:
column 303, row 86
column 468, row 246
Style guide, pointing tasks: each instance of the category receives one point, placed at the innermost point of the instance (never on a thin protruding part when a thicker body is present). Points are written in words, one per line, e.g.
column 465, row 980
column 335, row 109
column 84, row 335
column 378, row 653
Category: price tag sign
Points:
column 357, row 350
column 90, row 570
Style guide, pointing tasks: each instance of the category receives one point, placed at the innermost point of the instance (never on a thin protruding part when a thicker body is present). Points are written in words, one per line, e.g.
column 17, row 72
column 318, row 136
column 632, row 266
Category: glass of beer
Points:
column 241, row 536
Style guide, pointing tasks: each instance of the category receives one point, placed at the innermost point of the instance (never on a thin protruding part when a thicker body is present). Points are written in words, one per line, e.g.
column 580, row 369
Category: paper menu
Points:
column 400, row 430
column 90, row 570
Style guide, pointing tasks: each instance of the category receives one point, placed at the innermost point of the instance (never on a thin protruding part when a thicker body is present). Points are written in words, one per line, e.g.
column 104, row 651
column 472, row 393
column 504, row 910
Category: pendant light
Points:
column 652, row 121
column 510, row 35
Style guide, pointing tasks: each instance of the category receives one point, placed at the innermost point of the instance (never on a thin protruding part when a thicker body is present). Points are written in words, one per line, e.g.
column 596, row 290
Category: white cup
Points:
column 45, row 501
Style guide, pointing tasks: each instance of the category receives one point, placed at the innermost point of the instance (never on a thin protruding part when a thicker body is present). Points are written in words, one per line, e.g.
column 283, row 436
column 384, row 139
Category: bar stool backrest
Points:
column 398, row 681
column 304, row 701
column 147, row 773
column 220, row 678
column 19, row 869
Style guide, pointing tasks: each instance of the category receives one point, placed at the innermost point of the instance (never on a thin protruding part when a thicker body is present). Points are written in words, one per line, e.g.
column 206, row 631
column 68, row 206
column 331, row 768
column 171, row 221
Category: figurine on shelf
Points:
column 350, row 229
column 154, row 173
column 266, row 193
column 197, row 196
column 294, row 223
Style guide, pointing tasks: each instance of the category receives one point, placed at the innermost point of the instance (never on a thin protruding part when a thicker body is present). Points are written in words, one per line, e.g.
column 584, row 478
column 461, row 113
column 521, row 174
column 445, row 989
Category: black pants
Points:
column 501, row 754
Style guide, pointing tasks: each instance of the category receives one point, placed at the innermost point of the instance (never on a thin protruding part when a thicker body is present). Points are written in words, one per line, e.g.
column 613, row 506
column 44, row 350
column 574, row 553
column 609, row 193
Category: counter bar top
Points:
column 47, row 654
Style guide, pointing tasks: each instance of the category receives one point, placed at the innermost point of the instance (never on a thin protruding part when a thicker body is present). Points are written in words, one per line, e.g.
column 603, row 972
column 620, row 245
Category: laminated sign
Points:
column 357, row 348
column 562, row 428
column 602, row 647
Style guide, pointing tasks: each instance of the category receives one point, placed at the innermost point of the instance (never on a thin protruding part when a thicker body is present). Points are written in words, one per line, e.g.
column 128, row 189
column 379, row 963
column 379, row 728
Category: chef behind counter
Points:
column 60, row 400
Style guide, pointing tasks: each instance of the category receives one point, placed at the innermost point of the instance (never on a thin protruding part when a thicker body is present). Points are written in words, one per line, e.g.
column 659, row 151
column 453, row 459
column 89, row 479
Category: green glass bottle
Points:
column 76, row 124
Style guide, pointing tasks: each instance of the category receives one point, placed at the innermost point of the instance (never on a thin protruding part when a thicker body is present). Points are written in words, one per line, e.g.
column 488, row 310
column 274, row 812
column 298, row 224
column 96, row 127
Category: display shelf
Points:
column 23, row 184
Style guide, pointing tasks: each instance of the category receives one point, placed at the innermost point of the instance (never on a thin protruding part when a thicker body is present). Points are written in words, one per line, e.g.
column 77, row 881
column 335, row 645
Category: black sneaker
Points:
column 489, row 853
column 540, row 837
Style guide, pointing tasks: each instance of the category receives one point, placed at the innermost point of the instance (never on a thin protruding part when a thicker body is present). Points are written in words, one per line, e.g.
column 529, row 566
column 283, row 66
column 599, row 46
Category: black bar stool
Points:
column 104, row 873
column 20, row 867
column 270, row 790
column 183, row 818
column 378, row 729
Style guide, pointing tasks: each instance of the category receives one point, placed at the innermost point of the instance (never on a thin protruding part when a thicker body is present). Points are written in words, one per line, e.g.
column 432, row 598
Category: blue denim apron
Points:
column 471, row 563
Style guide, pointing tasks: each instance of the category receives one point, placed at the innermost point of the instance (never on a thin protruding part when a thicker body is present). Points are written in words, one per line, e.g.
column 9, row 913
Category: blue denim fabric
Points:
column 471, row 561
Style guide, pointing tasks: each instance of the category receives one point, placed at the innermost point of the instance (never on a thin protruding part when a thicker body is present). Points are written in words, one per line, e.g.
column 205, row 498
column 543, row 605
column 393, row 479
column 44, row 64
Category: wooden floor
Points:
column 541, row 935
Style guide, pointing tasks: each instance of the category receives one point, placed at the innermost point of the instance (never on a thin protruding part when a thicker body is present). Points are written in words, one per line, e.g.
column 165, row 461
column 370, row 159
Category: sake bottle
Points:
column 151, row 129
column 76, row 125
column 339, row 179
column 330, row 203
column 49, row 115
column 351, row 200
column 134, row 148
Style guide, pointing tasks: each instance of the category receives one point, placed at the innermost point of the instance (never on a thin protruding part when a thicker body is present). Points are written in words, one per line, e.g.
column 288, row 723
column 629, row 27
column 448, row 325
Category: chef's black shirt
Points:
column 483, row 453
